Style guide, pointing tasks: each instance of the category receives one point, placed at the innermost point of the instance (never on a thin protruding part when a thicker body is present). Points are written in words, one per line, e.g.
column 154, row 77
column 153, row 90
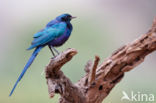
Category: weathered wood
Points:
column 99, row 80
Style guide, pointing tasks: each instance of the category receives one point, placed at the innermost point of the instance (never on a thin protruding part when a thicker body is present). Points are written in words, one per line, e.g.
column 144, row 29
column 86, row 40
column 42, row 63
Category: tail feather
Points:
column 31, row 59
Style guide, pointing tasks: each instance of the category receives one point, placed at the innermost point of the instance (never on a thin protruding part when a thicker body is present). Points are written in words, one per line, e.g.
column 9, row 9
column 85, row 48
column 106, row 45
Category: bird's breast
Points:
column 61, row 39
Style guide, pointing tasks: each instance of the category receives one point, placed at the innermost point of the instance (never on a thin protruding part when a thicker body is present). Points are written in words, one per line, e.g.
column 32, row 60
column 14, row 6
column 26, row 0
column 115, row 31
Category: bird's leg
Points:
column 51, row 50
column 55, row 50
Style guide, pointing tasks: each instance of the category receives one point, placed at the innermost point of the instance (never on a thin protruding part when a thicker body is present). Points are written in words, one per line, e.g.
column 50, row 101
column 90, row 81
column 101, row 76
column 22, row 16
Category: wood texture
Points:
column 98, row 80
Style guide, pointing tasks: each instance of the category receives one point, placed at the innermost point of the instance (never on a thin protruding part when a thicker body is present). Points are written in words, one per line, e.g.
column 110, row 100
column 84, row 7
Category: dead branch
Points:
column 99, row 80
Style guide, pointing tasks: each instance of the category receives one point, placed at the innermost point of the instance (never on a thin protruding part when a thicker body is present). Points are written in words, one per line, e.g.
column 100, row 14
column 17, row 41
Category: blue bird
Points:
column 55, row 33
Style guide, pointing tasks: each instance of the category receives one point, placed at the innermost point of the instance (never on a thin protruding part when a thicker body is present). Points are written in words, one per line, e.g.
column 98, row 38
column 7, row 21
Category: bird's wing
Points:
column 38, row 34
column 47, row 35
column 50, row 24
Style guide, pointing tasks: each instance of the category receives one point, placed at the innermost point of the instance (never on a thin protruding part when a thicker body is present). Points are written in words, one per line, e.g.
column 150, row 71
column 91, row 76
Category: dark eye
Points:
column 63, row 18
column 68, row 16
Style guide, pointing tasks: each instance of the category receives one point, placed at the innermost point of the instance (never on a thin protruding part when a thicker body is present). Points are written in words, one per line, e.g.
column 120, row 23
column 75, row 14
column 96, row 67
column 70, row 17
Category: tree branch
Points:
column 99, row 80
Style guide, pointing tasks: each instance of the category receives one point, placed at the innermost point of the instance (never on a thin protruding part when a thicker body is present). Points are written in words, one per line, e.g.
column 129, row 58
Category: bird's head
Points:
column 65, row 18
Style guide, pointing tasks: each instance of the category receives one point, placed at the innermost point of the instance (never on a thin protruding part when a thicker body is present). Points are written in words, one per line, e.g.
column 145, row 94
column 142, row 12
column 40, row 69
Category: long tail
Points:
column 31, row 59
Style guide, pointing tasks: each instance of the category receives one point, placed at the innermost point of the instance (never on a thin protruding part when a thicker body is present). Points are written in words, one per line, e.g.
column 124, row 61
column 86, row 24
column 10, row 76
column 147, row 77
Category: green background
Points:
column 101, row 27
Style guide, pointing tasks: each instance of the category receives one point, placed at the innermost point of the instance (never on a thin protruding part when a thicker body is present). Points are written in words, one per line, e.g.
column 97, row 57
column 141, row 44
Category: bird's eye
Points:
column 66, row 18
column 63, row 18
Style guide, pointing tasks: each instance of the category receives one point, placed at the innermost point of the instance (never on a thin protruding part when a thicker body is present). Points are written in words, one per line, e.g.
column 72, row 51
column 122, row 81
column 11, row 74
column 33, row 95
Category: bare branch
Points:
column 58, row 83
column 99, row 80
column 92, row 73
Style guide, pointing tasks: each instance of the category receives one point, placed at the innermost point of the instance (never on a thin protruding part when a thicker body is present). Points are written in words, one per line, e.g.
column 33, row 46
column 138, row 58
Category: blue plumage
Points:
column 54, row 34
column 31, row 59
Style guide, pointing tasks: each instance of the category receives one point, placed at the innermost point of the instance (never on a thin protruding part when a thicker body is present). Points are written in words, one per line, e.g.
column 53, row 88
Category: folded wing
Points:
column 45, row 36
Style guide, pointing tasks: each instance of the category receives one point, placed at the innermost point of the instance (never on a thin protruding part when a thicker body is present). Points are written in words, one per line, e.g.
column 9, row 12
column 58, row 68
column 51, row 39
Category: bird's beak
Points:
column 73, row 17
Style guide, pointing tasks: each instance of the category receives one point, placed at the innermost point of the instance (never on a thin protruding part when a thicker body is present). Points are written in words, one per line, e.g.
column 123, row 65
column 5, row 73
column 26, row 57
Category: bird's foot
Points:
column 53, row 57
column 55, row 50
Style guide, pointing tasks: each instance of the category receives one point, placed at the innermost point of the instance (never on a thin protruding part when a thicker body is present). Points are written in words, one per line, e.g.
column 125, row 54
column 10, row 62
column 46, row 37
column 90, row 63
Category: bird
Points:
column 55, row 34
